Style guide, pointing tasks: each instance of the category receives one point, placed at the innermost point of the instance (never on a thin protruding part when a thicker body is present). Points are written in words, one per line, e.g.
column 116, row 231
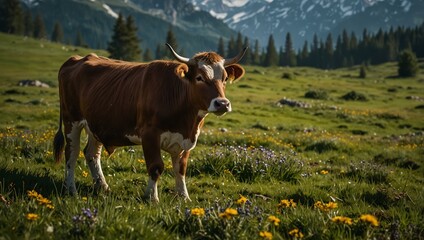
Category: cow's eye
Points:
column 199, row 78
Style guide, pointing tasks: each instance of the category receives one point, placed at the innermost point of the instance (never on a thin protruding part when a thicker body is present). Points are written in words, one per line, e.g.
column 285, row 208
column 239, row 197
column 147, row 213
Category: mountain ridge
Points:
column 95, row 19
column 257, row 19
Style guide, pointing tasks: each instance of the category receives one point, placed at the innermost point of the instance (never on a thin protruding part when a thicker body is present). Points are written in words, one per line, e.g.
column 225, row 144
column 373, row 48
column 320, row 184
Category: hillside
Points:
column 254, row 98
column 317, row 154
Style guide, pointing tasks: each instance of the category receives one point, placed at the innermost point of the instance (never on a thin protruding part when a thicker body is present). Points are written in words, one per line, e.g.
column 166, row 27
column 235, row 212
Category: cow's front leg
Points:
column 154, row 163
column 179, row 164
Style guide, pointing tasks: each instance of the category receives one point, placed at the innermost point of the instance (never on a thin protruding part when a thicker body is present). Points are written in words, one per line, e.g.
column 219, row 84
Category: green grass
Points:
column 366, row 156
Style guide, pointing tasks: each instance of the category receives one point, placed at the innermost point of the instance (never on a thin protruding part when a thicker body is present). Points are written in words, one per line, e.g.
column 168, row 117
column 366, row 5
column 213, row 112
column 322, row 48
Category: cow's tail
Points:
column 59, row 141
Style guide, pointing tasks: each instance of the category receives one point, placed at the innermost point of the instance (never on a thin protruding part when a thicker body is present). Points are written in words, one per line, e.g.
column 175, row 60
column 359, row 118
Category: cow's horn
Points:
column 236, row 58
column 178, row 57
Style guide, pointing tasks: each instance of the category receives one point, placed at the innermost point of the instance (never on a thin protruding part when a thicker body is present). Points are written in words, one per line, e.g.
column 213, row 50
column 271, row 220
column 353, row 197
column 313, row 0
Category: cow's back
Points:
column 103, row 93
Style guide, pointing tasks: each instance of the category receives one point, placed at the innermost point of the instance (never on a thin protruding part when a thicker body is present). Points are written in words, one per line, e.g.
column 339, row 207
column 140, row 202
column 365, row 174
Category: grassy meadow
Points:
column 345, row 163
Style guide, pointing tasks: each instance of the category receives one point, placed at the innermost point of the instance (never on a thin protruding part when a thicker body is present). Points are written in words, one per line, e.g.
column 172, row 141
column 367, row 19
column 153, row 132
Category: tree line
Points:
column 348, row 50
column 19, row 21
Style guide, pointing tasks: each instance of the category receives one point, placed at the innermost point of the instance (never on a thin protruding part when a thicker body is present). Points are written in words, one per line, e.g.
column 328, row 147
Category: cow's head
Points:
column 209, row 73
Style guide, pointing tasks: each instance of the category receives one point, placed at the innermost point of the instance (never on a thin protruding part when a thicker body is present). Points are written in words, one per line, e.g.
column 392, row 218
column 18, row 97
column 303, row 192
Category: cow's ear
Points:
column 234, row 72
column 181, row 71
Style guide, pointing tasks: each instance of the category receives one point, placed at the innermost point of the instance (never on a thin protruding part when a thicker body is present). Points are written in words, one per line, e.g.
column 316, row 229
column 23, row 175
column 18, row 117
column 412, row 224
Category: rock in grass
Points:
column 32, row 83
column 293, row 103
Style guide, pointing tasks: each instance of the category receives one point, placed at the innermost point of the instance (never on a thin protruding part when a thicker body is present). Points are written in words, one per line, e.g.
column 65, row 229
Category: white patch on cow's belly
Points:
column 175, row 142
column 134, row 139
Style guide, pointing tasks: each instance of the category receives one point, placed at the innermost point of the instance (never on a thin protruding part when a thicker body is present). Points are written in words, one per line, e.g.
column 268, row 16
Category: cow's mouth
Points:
column 220, row 113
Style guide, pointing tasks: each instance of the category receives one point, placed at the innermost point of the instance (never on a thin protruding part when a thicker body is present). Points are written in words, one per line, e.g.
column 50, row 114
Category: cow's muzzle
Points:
column 219, row 106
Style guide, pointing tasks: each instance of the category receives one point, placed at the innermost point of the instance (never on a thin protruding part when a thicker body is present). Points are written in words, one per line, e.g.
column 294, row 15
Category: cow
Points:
column 160, row 105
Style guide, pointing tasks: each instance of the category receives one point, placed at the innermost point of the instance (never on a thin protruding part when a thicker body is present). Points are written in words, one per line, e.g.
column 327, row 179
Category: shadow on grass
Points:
column 18, row 182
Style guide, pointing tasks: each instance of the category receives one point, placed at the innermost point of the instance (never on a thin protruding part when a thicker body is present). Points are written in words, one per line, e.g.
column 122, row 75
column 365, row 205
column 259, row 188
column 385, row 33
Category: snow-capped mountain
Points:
column 195, row 30
column 258, row 19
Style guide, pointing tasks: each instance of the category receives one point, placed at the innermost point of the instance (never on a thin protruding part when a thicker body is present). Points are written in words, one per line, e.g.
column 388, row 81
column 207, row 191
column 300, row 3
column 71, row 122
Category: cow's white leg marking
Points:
column 92, row 153
column 152, row 191
column 180, row 184
column 74, row 148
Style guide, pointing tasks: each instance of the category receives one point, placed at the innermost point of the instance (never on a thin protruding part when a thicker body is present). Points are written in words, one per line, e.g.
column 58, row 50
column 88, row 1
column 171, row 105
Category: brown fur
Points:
column 208, row 57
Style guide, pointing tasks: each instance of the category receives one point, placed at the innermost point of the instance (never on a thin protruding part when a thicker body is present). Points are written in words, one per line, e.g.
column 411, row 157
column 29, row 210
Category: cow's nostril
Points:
column 217, row 104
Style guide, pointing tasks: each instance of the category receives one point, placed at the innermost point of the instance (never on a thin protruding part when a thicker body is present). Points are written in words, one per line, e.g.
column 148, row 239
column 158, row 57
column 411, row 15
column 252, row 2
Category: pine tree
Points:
column 329, row 51
column 171, row 40
column 147, row 56
column 239, row 44
column 304, row 55
column 354, row 47
column 289, row 54
column 115, row 47
column 408, row 64
column 314, row 55
column 231, row 49
column 159, row 52
column 28, row 24
column 39, row 27
column 79, row 40
column 221, row 47
column 132, row 44
column 57, row 35
column 281, row 58
column 271, row 57
column 247, row 59
column 11, row 17
column 256, row 58
column 125, row 44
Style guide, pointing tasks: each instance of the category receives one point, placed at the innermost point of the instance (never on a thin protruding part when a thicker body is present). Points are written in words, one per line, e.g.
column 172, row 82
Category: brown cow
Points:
column 160, row 105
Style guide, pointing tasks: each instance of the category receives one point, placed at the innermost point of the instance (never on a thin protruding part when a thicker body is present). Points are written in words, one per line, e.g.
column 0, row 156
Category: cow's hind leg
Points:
column 72, row 149
column 154, row 163
column 179, row 164
column 92, row 153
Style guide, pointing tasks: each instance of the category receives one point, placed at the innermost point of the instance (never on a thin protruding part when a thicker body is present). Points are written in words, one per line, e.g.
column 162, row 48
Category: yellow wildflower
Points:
column 324, row 172
column 84, row 199
column 331, row 205
column 370, row 219
column 49, row 206
column 141, row 161
column 32, row 216
column 286, row 203
column 325, row 206
column 341, row 219
column 242, row 200
column 32, row 193
column 229, row 213
column 84, row 173
column 296, row 233
column 265, row 235
column 198, row 212
column 43, row 201
column 274, row 220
